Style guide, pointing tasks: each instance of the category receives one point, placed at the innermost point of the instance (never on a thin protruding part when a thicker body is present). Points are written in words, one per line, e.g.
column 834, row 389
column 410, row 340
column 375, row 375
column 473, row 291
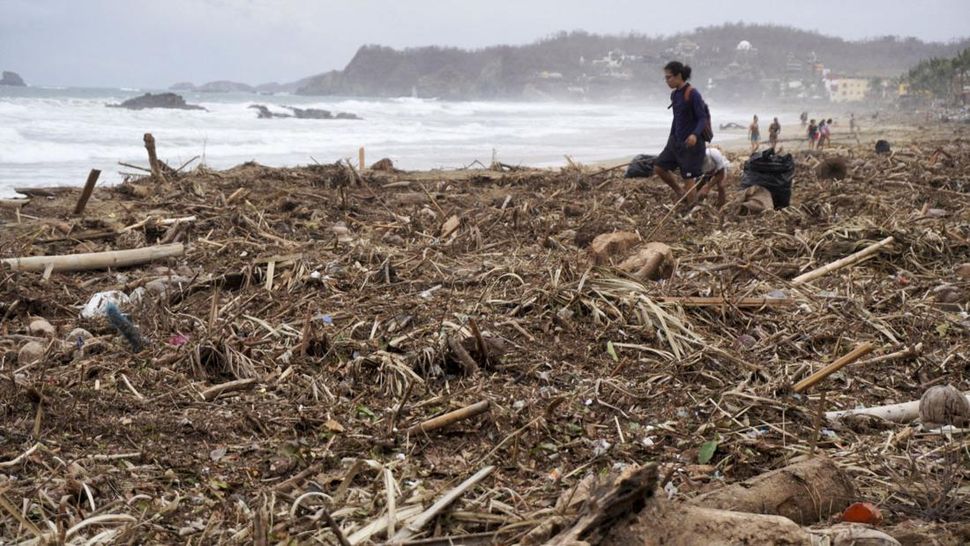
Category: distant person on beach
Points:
column 685, row 145
column 823, row 133
column 754, row 133
column 716, row 167
column 804, row 118
column 852, row 125
column 773, row 131
column 812, row 134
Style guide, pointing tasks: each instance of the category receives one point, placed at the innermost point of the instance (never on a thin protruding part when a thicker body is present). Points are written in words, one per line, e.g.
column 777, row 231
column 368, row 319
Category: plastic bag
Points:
column 772, row 172
column 640, row 167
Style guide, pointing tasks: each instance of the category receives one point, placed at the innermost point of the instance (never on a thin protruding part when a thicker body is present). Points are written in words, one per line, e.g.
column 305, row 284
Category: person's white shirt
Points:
column 715, row 161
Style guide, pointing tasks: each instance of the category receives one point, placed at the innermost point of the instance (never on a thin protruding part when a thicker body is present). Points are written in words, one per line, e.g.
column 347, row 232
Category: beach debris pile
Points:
column 348, row 356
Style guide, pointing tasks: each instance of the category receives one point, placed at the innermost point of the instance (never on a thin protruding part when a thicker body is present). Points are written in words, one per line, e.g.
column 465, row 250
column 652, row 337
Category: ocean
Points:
column 53, row 136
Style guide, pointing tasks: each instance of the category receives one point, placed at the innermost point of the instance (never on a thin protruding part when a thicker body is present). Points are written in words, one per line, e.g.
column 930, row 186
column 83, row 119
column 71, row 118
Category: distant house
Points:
column 846, row 89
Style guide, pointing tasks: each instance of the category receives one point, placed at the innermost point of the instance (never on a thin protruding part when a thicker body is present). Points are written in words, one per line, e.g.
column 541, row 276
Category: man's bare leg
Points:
column 669, row 179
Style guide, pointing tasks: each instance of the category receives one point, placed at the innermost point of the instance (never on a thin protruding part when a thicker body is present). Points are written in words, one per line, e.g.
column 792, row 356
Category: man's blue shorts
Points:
column 677, row 155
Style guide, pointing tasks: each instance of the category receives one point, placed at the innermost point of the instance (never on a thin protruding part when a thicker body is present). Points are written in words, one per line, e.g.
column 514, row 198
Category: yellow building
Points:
column 847, row 89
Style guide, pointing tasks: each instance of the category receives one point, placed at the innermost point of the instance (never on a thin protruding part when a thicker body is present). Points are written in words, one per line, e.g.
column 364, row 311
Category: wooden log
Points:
column 853, row 355
column 840, row 263
column 425, row 517
column 804, row 492
column 360, row 159
column 903, row 412
column 86, row 192
column 451, row 417
column 95, row 260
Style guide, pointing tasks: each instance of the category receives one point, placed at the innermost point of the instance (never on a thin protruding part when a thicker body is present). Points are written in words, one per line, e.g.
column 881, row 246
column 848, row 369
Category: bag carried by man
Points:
column 772, row 172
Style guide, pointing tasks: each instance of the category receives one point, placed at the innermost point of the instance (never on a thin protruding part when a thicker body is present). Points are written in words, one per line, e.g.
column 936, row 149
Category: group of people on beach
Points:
column 754, row 134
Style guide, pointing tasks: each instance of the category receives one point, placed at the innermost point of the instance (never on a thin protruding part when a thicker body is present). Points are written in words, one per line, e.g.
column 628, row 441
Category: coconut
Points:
column 944, row 405
column 30, row 353
column 78, row 333
column 40, row 327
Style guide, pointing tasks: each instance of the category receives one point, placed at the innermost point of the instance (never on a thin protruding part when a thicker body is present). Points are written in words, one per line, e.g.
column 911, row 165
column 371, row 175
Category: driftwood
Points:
column 843, row 262
column 804, row 492
column 153, row 158
column 842, row 362
column 95, row 260
column 86, row 192
column 904, row 412
column 451, row 417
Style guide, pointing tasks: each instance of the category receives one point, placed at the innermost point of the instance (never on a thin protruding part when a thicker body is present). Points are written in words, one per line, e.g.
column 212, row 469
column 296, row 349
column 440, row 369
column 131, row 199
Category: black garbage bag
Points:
column 772, row 172
column 882, row 147
column 641, row 166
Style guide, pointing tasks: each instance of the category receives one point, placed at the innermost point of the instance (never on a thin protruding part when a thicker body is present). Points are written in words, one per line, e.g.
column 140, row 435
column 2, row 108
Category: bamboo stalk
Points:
column 853, row 355
column 840, row 263
column 450, row 417
column 95, row 260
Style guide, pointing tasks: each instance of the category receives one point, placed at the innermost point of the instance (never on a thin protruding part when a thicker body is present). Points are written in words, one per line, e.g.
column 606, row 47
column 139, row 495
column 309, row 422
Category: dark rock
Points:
column 160, row 100
column 12, row 79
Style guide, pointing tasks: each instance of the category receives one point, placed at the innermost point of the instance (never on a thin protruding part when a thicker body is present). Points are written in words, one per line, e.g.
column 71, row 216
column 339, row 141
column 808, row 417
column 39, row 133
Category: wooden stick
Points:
column 86, row 192
column 425, row 517
column 335, row 528
column 843, row 262
column 450, row 417
column 903, row 412
column 391, row 499
column 904, row 353
column 854, row 355
column 95, row 260
column 237, row 385
column 697, row 301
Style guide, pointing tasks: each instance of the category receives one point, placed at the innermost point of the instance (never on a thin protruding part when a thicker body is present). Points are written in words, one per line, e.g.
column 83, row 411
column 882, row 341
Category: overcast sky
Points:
column 154, row 43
